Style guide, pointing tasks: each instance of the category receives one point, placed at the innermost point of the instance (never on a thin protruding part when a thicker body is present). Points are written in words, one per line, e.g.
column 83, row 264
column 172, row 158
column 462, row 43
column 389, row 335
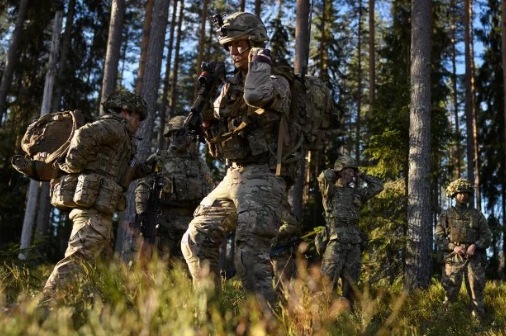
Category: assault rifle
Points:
column 148, row 219
column 278, row 250
column 213, row 74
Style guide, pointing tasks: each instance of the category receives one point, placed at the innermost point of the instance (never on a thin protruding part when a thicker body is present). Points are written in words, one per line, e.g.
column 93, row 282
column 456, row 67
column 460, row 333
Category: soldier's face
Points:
column 348, row 174
column 238, row 50
column 462, row 198
column 133, row 119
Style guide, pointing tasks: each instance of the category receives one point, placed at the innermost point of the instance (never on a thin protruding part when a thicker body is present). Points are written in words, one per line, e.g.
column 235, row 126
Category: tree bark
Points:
column 33, row 190
column 202, row 42
column 300, row 66
column 468, row 95
column 65, row 46
column 503, row 57
column 12, row 58
column 372, row 58
column 173, row 94
column 258, row 8
column 476, row 151
column 359, row 82
column 419, row 235
column 144, row 46
column 113, row 50
column 166, row 87
column 457, row 156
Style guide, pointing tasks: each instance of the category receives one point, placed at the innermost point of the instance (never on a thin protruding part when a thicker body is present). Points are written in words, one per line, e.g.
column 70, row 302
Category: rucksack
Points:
column 312, row 113
column 45, row 141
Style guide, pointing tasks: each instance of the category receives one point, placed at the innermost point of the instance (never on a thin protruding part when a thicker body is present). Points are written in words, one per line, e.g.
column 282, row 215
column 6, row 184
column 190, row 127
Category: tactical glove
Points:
column 260, row 55
column 285, row 231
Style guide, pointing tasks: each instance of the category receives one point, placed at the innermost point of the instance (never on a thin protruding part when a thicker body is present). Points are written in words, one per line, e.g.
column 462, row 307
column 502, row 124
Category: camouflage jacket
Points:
column 104, row 147
column 186, row 181
column 247, row 116
column 462, row 225
column 342, row 205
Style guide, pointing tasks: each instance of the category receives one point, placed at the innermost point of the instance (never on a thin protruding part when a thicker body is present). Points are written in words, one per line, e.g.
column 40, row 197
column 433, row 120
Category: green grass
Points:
column 119, row 301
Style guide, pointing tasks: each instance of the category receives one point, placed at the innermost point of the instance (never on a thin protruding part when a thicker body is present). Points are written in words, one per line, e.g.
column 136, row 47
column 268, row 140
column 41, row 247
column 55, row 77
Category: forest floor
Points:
column 118, row 301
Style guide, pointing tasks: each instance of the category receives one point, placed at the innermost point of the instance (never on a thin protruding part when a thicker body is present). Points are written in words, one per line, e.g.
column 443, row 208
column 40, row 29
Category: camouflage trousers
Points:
column 90, row 239
column 342, row 261
column 171, row 231
column 472, row 271
column 253, row 199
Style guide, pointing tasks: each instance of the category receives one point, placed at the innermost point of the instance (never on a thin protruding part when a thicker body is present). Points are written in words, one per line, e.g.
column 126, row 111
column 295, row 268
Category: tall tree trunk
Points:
column 144, row 46
column 419, row 238
column 503, row 49
column 468, row 94
column 150, row 94
column 65, row 46
column 457, row 156
column 33, row 191
column 173, row 94
column 359, row 81
column 113, row 50
column 372, row 58
column 258, row 8
column 166, row 87
column 202, row 42
column 300, row 66
column 242, row 6
column 476, row 151
column 323, row 42
column 12, row 58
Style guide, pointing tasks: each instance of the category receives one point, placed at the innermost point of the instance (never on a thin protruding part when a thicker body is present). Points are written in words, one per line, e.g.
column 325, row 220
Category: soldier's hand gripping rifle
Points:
column 278, row 249
column 148, row 219
column 213, row 74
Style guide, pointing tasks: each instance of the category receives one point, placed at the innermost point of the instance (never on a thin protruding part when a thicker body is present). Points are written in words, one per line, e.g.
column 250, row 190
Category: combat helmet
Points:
column 459, row 186
column 174, row 124
column 344, row 162
column 241, row 26
column 126, row 100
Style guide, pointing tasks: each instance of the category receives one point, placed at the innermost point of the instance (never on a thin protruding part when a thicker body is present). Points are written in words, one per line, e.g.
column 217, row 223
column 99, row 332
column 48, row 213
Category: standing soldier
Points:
column 341, row 241
column 186, row 181
column 244, row 129
column 98, row 171
column 463, row 235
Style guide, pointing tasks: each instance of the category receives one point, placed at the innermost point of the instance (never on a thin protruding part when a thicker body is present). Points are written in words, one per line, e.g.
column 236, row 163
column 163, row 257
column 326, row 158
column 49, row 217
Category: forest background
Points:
column 363, row 50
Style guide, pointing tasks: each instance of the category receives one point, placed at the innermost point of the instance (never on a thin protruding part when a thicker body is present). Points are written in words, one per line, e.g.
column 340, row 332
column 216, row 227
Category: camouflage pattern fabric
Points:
column 245, row 123
column 90, row 239
column 342, row 256
column 187, row 181
column 104, row 148
column 255, row 198
column 462, row 226
column 472, row 270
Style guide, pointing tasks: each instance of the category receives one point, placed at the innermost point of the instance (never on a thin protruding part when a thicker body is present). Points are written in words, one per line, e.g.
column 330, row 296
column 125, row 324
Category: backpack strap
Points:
column 75, row 125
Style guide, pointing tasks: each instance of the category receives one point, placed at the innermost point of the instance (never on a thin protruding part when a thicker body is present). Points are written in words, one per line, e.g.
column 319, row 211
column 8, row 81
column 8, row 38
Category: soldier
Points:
column 340, row 243
column 187, row 180
column 463, row 235
column 244, row 129
column 98, row 160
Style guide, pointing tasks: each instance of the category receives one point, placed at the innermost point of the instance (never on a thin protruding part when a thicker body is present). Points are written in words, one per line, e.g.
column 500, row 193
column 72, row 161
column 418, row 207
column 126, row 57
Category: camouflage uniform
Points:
column 462, row 226
column 187, row 180
column 98, row 157
column 245, row 128
column 342, row 256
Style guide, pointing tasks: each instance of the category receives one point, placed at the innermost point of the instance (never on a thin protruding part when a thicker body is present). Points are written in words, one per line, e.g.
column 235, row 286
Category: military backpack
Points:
column 45, row 141
column 313, row 114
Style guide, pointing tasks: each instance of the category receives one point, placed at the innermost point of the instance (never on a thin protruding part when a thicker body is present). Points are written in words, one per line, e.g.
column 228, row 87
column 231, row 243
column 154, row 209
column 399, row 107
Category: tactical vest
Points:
column 99, row 185
column 187, row 178
column 242, row 135
column 343, row 207
column 463, row 226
